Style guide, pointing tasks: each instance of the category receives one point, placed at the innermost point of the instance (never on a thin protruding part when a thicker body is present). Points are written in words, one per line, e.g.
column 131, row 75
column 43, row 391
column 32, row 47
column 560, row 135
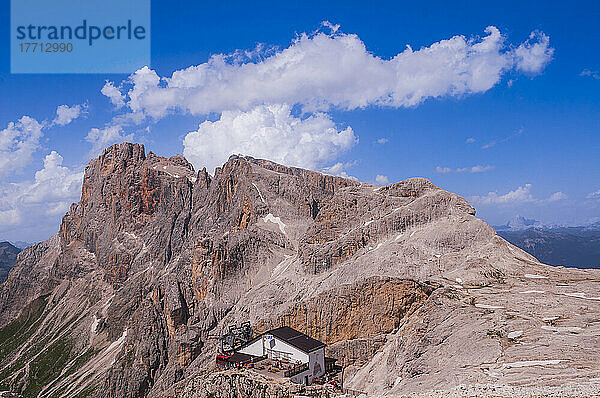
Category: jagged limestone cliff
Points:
column 410, row 290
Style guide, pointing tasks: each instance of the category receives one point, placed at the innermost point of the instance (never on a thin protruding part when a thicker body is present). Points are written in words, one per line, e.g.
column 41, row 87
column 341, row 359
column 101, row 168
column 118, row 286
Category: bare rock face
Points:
column 406, row 286
column 375, row 306
column 233, row 384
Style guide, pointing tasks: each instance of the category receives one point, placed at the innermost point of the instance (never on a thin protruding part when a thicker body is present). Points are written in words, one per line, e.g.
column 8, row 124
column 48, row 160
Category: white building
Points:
column 290, row 345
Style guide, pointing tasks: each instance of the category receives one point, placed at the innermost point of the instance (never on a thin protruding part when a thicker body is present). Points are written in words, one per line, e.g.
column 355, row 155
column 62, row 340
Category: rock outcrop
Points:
column 409, row 289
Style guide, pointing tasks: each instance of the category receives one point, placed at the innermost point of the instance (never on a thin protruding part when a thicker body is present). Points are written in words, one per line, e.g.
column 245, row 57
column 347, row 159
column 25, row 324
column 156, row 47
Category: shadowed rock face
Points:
column 158, row 259
column 8, row 259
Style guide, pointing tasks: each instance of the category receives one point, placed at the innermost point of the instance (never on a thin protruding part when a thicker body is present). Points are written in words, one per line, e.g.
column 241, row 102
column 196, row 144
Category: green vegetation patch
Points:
column 13, row 335
column 75, row 365
column 47, row 366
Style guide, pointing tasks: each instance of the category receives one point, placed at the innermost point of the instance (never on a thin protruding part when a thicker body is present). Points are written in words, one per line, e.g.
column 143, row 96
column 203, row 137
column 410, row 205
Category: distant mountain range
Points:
column 21, row 244
column 519, row 223
column 8, row 259
column 555, row 245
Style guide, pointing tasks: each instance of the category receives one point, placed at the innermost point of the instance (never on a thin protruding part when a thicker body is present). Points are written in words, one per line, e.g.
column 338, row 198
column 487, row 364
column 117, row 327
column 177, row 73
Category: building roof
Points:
column 297, row 339
column 239, row 357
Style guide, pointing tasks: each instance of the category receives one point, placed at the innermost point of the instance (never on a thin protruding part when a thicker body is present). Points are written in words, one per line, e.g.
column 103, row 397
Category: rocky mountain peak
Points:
column 117, row 157
column 157, row 260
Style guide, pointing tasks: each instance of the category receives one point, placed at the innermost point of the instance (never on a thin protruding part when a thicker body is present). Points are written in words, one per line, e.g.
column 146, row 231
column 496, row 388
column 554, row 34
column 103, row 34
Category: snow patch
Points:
column 532, row 276
column 412, row 233
column 192, row 179
column 532, row 291
column 95, row 324
column 581, row 296
column 173, row 175
column 550, row 318
column 275, row 220
column 399, row 236
column 107, row 304
column 523, row 364
column 283, row 265
column 569, row 329
column 117, row 344
column 489, row 307
column 515, row 334
column 164, row 167
column 259, row 194
column 457, row 286
column 368, row 222
column 130, row 235
column 494, row 374
column 458, row 280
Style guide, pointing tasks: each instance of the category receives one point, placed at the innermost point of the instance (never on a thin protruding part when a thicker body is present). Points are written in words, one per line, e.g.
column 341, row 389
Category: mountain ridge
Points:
column 156, row 258
column 561, row 246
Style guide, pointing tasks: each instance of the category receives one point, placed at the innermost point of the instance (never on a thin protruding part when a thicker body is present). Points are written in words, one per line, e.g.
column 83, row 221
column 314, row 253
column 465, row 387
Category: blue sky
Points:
column 525, row 142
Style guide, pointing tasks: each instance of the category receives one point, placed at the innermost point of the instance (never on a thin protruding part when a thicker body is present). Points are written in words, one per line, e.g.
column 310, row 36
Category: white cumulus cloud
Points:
column 534, row 54
column 556, row 196
column 9, row 218
column 113, row 94
column 590, row 73
column 333, row 69
column 594, row 195
column 340, row 169
column 54, row 184
column 104, row 137
column 317, row 72
column 381, row 179
column 473, row 169
column 36, row 205
column 520, row 195
column 270, row 132
column 65, row 114
column 21, row 139
column 18, row 142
